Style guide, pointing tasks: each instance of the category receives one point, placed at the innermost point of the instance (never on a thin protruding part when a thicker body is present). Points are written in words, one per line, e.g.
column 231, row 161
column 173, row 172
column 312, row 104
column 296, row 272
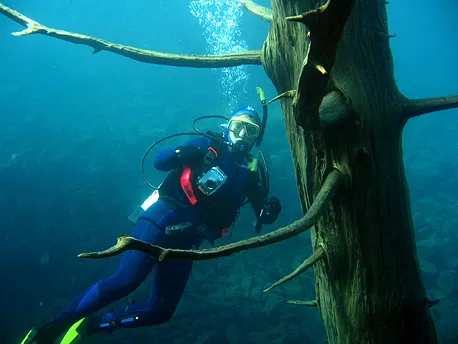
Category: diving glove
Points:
column 270, row 211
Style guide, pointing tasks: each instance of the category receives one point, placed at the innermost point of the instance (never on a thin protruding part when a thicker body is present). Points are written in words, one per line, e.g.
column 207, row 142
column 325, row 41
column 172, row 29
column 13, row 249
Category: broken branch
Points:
column 385, row 35
column 288, row 94
column 142, row 55
column 258, row 10
column 319, row 205
column 316, row 256
column 333, row 109
column 417, row 107
column 311, row 17
column 431, row 303
column 313, row 303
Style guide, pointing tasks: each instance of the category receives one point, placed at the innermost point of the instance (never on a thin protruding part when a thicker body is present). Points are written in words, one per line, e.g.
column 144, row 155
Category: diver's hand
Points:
column 270, row 211
column 189, row 155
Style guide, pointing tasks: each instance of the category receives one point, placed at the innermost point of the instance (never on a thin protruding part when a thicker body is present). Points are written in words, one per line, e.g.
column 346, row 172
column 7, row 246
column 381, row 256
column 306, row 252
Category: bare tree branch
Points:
column 319, row 205
column 313, row 303
column 258, row 10
column 417, row 107
column 316, row 256
column 142, row 55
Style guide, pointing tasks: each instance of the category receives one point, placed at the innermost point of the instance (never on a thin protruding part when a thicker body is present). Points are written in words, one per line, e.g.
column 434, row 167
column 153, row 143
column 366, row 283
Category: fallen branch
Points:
column 142, row 55
column 313, row 303
column 319, row 205
column 417, row 107
column 309, row 262
column 258, row 10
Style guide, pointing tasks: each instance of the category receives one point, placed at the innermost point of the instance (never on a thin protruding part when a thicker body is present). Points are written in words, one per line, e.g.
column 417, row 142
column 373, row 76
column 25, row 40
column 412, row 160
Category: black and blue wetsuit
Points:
column 214, row 213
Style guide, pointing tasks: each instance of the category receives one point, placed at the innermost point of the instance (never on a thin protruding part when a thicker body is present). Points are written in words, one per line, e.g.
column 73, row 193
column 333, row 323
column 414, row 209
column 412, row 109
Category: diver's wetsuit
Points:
column 170, row 276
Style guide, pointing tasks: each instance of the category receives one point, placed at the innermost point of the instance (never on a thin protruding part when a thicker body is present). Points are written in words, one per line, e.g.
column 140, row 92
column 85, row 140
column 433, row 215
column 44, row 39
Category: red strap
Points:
column 186, row 185
column 214, row 151
column 224, row 232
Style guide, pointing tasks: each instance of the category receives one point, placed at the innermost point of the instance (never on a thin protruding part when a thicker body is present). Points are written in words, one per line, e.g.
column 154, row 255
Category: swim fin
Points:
column 75, row 333
column 80, row 330
column 58, row 333
column 28, row 335
column 45, row 334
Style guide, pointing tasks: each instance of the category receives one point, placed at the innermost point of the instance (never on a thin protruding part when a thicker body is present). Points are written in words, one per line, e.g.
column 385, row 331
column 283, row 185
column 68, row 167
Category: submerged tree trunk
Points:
column 369, row 289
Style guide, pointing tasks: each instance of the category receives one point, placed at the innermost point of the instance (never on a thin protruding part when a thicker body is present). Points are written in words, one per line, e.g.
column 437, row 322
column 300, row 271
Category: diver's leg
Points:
column 134, row 268
column 169, row 281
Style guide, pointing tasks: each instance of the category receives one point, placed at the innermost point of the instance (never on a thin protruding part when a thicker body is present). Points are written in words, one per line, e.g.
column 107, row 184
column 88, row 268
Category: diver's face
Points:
column 243, row 133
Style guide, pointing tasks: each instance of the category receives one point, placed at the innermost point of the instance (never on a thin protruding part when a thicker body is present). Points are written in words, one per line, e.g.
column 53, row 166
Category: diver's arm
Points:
column 266, row 209
column 169, row 159
column 166, row 160
column 256, row 194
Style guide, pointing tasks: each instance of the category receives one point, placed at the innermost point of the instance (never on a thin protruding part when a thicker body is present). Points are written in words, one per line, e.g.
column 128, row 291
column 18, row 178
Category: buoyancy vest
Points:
column 216, row 211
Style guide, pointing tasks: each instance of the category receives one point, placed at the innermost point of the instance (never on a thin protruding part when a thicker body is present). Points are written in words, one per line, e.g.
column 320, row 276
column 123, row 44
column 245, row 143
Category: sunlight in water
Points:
column 220, row 21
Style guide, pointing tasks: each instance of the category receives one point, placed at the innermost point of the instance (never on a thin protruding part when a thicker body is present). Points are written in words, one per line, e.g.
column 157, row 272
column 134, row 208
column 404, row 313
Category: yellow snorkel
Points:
column 257, row 151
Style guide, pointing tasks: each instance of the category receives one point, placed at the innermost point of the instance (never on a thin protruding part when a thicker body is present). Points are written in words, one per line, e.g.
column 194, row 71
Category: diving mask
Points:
column 243, row 128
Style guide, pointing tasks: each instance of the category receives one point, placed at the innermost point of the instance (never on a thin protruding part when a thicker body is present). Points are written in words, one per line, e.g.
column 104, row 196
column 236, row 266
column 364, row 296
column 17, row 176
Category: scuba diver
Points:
column 210, row 178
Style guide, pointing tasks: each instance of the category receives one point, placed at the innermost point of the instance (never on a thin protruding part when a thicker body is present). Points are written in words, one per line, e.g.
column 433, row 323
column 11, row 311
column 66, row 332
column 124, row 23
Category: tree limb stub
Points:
column 319, row 205
column 142, row 55
column 326, row 25
column 417, row 107
column 313, row 303
column 258, row 10
column 333, row 109
column 431, row 303
column 288, row 94
column 316, row 256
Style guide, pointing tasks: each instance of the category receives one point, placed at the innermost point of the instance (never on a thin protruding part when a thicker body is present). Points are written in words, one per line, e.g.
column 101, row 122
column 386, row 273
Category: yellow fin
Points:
column 72, row 333
column 27, row 336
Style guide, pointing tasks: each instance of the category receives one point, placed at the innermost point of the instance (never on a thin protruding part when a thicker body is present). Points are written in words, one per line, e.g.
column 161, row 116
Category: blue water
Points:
column 74, row 127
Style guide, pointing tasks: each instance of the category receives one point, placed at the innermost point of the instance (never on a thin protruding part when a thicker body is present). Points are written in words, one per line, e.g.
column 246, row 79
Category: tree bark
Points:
column 369, row 289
